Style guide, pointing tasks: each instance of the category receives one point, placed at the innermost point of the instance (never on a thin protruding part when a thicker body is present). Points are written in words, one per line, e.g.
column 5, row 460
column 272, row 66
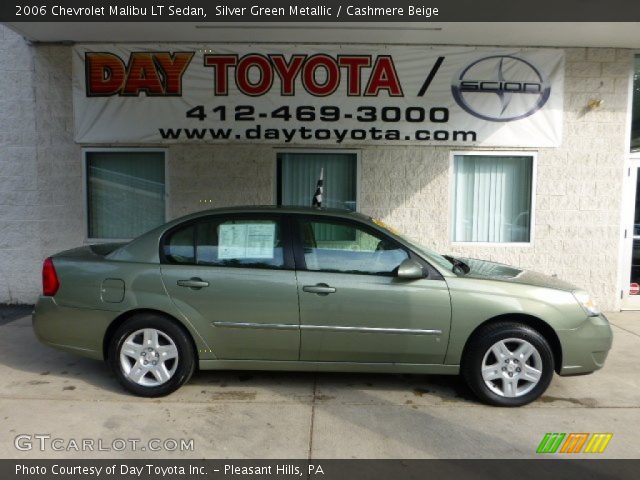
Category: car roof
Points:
column 283, row 209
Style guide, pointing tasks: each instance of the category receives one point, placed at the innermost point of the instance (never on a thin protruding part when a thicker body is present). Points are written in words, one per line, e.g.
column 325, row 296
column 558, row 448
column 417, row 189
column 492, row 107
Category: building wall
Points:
column 40, row 171
column 19, row 243
column 578, row 186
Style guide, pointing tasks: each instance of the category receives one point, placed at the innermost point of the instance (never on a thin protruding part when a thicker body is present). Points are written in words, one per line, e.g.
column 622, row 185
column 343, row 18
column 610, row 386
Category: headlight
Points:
column 587, row 303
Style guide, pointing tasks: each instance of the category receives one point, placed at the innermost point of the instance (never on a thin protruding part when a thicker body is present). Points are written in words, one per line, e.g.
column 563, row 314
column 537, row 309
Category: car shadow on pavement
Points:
column 333, row 388
column 27, row 365
column 365, row 415
column 417, row 413
column 11, row 313
column 29, row 368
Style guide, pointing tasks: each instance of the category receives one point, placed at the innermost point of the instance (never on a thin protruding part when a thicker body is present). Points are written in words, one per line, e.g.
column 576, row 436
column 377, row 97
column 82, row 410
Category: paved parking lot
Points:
column 300, row 415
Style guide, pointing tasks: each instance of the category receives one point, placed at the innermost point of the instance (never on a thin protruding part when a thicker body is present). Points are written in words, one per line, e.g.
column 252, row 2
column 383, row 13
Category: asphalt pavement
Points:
column 57, row 401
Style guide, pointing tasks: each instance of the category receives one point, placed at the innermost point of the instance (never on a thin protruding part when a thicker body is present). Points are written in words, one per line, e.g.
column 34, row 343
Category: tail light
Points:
column 50, row 282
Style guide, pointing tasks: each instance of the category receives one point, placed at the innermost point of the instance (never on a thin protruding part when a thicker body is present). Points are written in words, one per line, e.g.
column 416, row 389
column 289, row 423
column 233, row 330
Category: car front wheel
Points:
column 151, row 355
column 508, row 364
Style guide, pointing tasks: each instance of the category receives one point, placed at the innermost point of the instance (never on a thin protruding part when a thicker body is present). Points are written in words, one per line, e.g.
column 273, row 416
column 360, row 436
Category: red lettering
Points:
column 173, row 67
column 384, row 77
column 142, row 76
column 287, row 72
column 354, row 65
column 254, row 73
column 332, row 79
column 243, row 80
column 220, row 64
column 105, row 73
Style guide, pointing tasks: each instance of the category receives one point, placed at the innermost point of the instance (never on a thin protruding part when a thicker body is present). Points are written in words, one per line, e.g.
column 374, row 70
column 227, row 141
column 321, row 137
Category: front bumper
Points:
column 585, row 349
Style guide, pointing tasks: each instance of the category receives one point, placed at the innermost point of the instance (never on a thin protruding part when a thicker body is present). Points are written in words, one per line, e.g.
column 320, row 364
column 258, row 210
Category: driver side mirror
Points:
column 410, row 270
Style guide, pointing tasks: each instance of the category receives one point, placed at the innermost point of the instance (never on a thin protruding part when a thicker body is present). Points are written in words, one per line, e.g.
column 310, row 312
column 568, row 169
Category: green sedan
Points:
column 272, row 288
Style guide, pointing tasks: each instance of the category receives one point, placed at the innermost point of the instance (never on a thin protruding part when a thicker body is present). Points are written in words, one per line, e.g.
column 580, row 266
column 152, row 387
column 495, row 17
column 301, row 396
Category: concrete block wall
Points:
column 19, row 212
column 202, row 177
column 577, row 205
column 58, row 158
column 41, row 200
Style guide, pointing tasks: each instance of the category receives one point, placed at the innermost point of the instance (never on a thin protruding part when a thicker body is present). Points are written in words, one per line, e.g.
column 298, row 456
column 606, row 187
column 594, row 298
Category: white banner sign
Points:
column 318, row 95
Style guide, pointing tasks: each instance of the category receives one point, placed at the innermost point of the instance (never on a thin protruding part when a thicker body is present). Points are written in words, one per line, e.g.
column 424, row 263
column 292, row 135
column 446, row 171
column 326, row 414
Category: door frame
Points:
column 627, row 208
column 629, row 302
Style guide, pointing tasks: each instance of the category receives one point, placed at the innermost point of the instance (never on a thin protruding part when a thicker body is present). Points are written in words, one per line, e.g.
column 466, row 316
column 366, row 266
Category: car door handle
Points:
column 194, row 283
column 320, row 289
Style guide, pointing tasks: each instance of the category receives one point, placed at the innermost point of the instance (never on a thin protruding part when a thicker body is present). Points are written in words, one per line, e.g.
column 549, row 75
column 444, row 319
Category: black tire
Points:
column 185, row 360
column 483, row 340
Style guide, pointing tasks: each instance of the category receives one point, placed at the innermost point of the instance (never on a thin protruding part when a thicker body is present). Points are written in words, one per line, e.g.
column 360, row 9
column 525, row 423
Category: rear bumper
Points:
column 77, row 330
column 585, row 349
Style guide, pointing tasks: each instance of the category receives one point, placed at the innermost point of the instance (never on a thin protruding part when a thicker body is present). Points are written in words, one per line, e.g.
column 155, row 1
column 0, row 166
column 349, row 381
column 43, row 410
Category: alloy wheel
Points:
column 149, row 357
column 512, row 367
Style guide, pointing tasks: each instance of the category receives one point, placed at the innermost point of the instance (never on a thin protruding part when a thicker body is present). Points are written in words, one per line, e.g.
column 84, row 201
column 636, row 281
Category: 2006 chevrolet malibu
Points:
column 312, row 289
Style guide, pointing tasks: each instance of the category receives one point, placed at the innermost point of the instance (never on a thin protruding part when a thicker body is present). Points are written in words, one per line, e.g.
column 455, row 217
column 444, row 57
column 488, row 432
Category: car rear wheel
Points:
column 508, row 364
column 151, row 355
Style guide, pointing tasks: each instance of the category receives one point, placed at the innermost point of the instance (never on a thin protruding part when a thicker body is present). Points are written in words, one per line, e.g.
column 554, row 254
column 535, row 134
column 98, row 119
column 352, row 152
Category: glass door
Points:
column 631, row 279
column 631, row 207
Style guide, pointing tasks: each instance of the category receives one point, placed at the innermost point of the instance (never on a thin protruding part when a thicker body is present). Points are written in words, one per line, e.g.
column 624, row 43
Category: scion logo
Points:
column 501, row 88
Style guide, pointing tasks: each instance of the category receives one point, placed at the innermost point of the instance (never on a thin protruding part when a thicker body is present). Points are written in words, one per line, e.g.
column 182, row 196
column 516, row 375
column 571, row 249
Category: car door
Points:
column 234, row 276
column 353, row 307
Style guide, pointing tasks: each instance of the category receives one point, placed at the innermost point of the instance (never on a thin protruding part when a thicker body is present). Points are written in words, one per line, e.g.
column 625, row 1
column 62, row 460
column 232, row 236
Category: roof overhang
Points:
column 547, row 34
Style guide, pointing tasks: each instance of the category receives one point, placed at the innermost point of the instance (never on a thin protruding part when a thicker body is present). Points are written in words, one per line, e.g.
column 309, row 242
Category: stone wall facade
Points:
column 577, row 199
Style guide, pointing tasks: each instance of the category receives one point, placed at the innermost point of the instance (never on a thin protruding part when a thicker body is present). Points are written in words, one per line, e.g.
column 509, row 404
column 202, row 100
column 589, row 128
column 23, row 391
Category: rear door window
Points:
column 179, row 246
column 227, row 242
column 240, row 242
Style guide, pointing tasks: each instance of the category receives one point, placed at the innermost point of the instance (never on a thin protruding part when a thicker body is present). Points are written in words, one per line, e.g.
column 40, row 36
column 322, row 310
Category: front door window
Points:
column 345, row 248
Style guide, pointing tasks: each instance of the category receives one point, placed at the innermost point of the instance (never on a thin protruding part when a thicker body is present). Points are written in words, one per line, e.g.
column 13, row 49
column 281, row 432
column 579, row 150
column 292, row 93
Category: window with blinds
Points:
column 492, row 198
column 298, row 175
column 125, row 193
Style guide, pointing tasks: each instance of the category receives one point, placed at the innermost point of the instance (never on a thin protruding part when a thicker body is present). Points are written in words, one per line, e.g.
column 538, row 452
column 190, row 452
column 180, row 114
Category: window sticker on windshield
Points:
column 248, row 240
column 380, row 223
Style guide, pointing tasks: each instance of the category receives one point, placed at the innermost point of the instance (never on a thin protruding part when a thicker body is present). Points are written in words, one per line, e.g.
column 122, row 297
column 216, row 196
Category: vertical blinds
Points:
column 299, row 173
column 125, row 193
column 492, row 198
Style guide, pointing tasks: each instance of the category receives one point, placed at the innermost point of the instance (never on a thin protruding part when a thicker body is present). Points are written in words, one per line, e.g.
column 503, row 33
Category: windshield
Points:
column 430, row 255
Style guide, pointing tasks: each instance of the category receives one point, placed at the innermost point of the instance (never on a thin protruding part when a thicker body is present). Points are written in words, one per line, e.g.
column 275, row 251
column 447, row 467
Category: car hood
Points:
column 505, row 273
